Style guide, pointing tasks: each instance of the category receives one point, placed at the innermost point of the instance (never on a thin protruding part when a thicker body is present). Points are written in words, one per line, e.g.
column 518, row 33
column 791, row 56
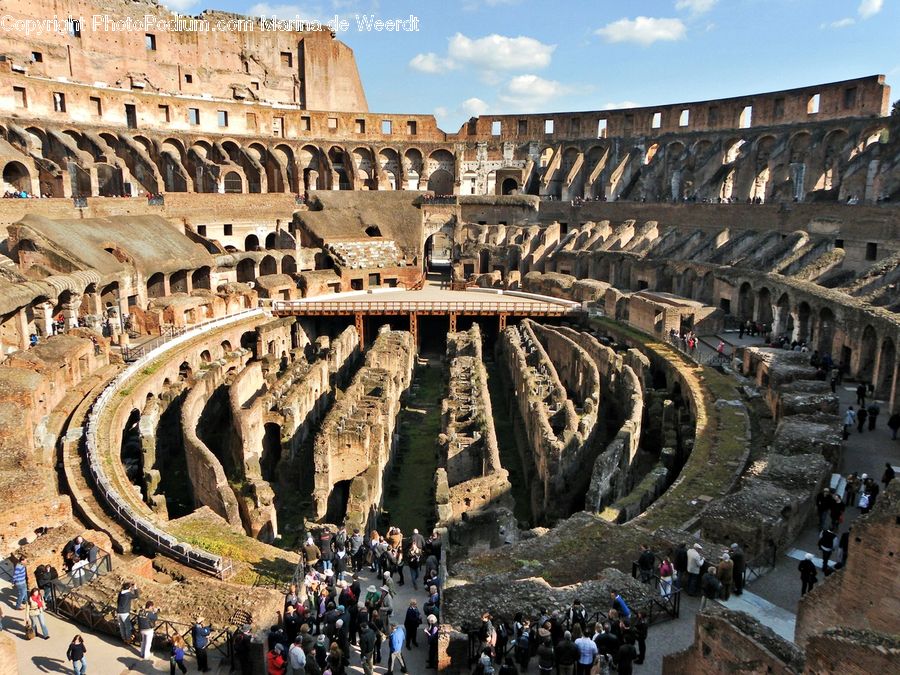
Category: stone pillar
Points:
column 22, row 332
column 45, row 322
column 70, row 310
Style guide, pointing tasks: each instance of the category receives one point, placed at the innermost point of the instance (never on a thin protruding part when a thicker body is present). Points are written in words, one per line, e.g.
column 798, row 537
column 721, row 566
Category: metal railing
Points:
column 122, row 511
column 82, row 573
column 661, row 607
column 407, row 306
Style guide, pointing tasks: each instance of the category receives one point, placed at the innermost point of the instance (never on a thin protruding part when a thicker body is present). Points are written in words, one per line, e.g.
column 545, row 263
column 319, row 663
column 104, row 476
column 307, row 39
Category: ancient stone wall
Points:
column 851, row 651
column 470, row 479
column 356, row 440
column 560, row 435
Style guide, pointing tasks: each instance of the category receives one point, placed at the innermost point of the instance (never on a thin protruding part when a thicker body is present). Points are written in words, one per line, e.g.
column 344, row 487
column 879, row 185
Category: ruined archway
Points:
column 251, row 242
column 246, row 270
column 440, row 182
column 16, row 177
column 764, row 307
column 886, row 363
column 868, row 350
column 745, row 302
column 156, row 285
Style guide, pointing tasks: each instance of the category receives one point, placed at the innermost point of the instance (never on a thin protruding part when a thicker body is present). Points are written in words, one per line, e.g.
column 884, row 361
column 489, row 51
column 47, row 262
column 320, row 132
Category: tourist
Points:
column 296, row 658
column 694, row 567
column 641, row 628
column 413, row 561
column 126, row 596
column 147, row 626
column 725, row 575
column 523, row 643
column 36, row 612
column 578, row 615
column 851, row 491
column 75, row 653
column 626, row 656
column 275, row 663
column 823, row 507
column 200, row 639
column 567, row 653
column 861, row 394
column 411, row 624
column 861, row 416
column 849, row 421
column 666, row 571
column 357, row 550
column 836, row 511
column 680, row 563
column 326, row 551
column 808, row 576
column 874, row 410
column 888, row 474
column 710, row 587
column 20, row 581
column 311, row 552
column 545, row 652
column 367, row 648
column 486, row 662
column 894, row 424
column 618, row 603
column 587, row 652
column 431, row 631
column 646, row 561
column 386, row 608
column 177, row 657
column 826, row 546
column 398, row 639
column 336, row 662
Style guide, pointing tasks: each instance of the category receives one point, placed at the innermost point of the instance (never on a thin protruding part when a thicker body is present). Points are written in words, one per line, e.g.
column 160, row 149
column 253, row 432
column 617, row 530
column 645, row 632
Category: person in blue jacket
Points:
column 200, row 638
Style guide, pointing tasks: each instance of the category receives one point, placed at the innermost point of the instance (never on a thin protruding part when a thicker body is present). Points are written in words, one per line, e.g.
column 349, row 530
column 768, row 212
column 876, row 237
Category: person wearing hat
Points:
column 321, row 651
column 275, row 663
column 387, row 607
column 390, row 583
column 431, row 631
column 200, row 638
column 694, row 567
column 807, row 569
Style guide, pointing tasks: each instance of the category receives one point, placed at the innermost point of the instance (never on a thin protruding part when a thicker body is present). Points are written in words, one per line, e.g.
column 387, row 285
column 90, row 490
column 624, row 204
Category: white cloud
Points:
column 430, row 63
column 498, row 52
column 869, row 8
column 474, row 107
column 841, row 23
column 643, row 30
column 695, row 6
column 525, row 93
column 621, row 105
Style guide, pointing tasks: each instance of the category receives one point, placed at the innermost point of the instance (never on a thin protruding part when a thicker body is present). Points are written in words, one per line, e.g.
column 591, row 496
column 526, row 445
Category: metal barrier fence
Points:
column 422, row 307
column 82, row 573
column 143, row 529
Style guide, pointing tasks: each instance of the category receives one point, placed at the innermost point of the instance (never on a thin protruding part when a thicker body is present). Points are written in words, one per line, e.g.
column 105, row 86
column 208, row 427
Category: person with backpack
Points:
column 523, row 645
column 411, row 623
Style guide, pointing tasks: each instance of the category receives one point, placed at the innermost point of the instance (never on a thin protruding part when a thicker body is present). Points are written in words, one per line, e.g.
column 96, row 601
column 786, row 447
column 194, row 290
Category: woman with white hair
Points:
column 808, row 577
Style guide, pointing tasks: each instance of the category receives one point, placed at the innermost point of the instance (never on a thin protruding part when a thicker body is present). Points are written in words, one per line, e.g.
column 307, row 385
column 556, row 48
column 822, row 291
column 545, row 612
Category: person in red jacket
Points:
column 275, row 663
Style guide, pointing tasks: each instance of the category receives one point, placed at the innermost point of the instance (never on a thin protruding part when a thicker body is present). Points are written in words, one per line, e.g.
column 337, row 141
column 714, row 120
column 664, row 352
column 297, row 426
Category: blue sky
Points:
column 473, row 57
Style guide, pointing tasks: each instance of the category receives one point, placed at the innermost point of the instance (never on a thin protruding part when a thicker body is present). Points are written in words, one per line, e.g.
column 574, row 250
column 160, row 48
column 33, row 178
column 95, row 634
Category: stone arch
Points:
column 688, row 283
column 200, row 278
column 178, row 281
column 440, row 182
column 826, row 330
column 340, row 179
column 268, row 265
column 887, row 358
column 364, row 168
column 764, row 313
column 745, row 302
column 271, row 241
column 784, row 321
column 804, row 325
column 251, row 242
column 246, row 270
column 833, row 159
column 413, row 165
column 509, row 186
column 156, row 285
column 283, row 156
column 250, row 342
column 311, row 162
column 389, row 163
column 16, row 177
column 732, row 149
column 232, row 183
column 185, row 372
column 289, row 265
column 868, row 351
column 226, row 346
column 205, row 356
column 271, row 451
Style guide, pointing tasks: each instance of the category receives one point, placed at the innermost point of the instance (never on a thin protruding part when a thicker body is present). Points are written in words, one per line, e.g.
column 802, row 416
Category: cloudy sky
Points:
column 471, row 57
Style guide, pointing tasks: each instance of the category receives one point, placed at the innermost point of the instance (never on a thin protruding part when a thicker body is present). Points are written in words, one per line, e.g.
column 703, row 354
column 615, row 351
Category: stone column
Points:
column 45, row 311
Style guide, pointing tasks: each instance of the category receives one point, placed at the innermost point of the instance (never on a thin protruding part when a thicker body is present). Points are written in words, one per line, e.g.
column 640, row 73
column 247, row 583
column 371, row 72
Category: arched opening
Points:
column 784, row 324
column 226, row 347
column 705, row 294
column 271, row 451
column 156, row 286
column 200, row 278
column 745, row 302
column 271, row 240
column 688, row 283
column 131, row 451
column 804, row 329
column 484, row 261
column 232, row 183
column 185, row 371
column 205, row 356
column 178, row 282
column 509, row 186
column 250, row 342
column 289, row 265
column 886, row 364
column 439, row 252
column 441, row 182
column 826, row 331
column 268, row 265
column 251, row 242
column 868, row 350
column 16, row 178
column 246, row 270
column 764, row 307
column 373, row 231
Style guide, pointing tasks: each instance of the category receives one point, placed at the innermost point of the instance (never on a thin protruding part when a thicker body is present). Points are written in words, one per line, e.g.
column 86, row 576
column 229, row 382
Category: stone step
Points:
column 779, row 620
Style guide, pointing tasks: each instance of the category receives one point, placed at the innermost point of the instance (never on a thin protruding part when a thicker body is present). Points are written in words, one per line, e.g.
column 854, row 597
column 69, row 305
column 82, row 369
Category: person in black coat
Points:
column 740, row 565
column 679, row 561
column 641, row 627
column 808, row 576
